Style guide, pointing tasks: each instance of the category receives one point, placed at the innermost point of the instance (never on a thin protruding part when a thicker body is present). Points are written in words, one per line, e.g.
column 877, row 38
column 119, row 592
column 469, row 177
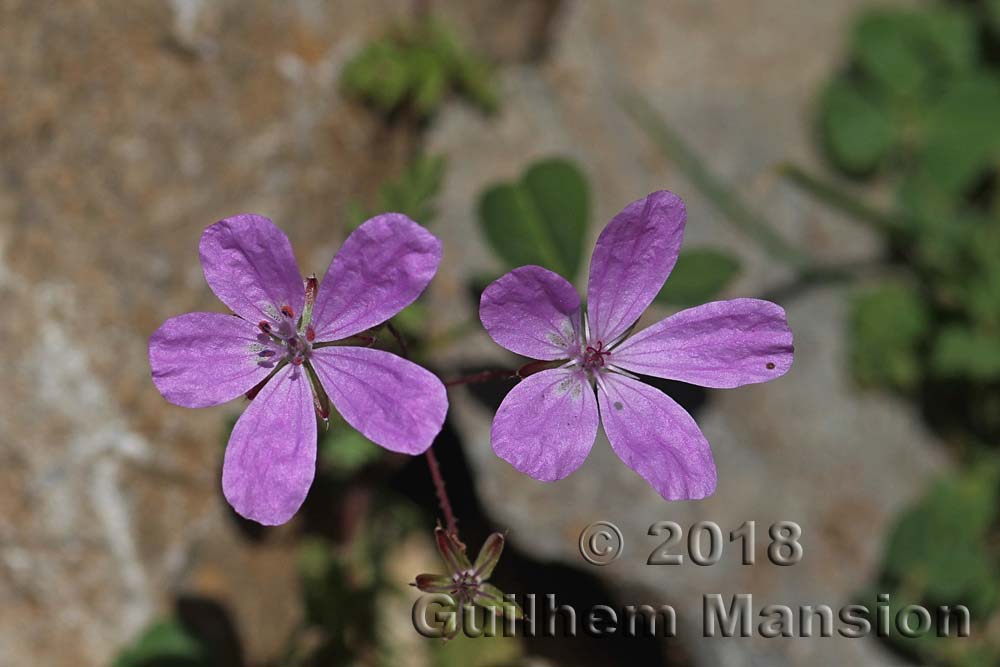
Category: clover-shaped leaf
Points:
column 700, row 275
column 540, row 219
column 857, row 130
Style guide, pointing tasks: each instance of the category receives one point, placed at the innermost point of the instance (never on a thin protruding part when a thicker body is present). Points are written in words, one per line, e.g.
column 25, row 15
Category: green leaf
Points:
column 886, row 47
column 166, row 642
column 412, row 193
column 960, row 352
column 412, row 320
column 888, row 324
column 962, row 137
column 905, row 52
column 417, row 66
column 993, row 15
column 700, row 275
column 346, row 451
column 541, row 219
column 857, row 131
column 941, row 545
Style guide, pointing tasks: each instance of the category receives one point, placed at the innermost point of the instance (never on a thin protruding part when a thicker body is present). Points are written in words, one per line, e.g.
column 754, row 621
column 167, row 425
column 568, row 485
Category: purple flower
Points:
column 547, row 424
column 280, row 345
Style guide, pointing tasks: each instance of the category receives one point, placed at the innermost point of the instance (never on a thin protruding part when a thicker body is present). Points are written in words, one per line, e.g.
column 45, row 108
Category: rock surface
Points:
column 126, row 129
column 738, row 80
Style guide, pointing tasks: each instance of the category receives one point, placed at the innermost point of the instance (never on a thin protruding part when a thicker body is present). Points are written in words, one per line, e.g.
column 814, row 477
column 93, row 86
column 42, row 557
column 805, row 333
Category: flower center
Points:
column 281, row 340
column 464, row 586
column 594, row 357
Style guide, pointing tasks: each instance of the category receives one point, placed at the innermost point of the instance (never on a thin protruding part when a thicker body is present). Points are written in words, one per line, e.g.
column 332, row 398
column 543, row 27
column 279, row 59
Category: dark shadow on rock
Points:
column 211, row 624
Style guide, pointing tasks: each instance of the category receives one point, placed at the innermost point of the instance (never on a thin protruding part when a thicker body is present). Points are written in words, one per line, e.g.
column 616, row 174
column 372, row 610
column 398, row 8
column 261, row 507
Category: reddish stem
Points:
column 524, row 371
column 449, row 516
column 432, row 462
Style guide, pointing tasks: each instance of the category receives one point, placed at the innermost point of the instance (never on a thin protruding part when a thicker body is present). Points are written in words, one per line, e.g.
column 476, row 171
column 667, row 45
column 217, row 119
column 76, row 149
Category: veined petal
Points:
column 383, row 266
column 249, row 264
column 391, row 401
column 721, row 344
column 271, row 457
column 657, row 438
column 547, row 424
column 633, row 257
column 202, row 359
column 533, row 312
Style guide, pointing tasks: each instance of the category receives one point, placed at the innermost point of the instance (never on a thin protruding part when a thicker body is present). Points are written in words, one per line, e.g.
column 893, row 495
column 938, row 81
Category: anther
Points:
column 297, row 360
column 265, row 326
column 310, row 334
column 288, row 312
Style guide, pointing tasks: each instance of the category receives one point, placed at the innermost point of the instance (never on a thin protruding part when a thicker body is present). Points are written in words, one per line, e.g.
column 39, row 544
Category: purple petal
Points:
column 382, row 268
column 547, row 424
column 391, row 401
column 248, row 263
column 721, row 344
column 657, row 438
column 633, row 257
column 202, row 359
column 533, row 312
column 271, row 457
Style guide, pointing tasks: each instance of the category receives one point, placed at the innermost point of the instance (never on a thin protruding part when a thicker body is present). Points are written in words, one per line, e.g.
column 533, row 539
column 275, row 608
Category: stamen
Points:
column 288, row 312
column 297, row 360
column 265, row 326
column 310, row 334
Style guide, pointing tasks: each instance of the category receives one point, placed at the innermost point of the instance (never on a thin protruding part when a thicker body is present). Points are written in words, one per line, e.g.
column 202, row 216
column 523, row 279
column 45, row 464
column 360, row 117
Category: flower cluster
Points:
column 295, row 346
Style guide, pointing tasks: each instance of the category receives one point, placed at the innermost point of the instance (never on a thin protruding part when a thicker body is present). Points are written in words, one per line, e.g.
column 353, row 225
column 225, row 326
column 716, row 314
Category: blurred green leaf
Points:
column 541, row 219
column 992, row 8
column 888, row 324
column 418, row 65
column 962, row 352
column 164, row 643
column 904, row 50
column 345, row 451
column 941, row 546
column 700, row 275
column 411, row 194
column 962, row 137
column 412, row 320
column 857, row 132
column 886, row 46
